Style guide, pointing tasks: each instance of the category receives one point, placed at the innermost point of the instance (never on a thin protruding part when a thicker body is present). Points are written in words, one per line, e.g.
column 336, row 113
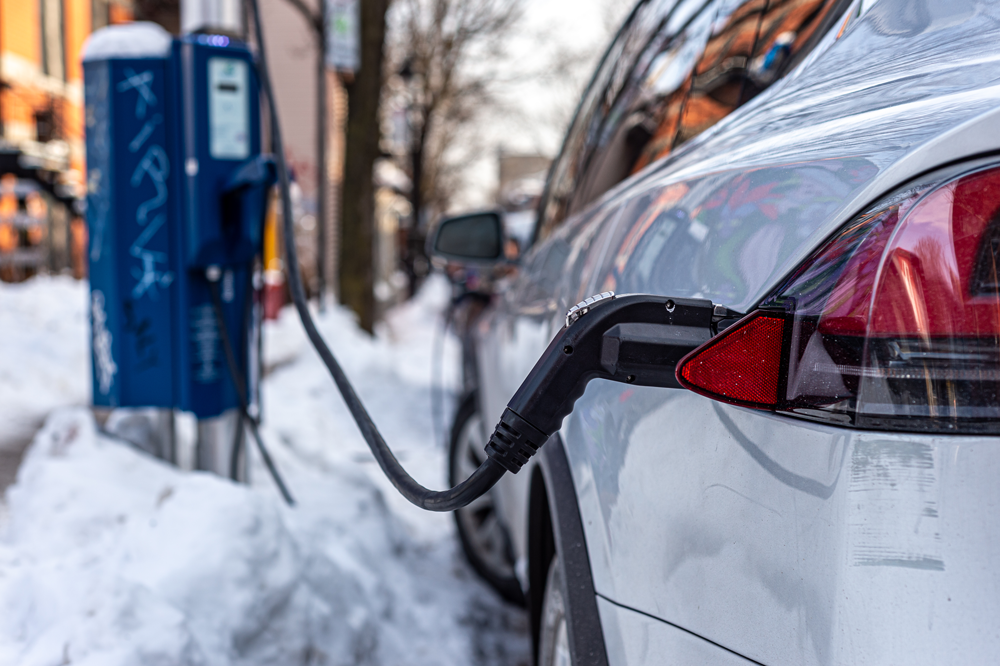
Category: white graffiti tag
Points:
column 144, row 133
column 151, row 274
column 155, row 165
column 104, row 363
column 98, row 160
column 148, row 278
column 142, row 84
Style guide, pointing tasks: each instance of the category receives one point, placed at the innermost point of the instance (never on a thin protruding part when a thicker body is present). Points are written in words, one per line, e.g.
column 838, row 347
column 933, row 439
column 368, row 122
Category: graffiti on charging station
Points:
column 129, row 199
column 153, row 167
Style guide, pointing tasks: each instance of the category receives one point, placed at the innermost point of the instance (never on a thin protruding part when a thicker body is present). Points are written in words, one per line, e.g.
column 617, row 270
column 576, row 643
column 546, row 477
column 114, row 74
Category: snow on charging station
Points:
column 177, row 190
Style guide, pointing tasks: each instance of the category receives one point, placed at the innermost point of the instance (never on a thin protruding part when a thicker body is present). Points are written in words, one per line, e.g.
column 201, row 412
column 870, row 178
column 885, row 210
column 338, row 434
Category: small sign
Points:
column 343, row 29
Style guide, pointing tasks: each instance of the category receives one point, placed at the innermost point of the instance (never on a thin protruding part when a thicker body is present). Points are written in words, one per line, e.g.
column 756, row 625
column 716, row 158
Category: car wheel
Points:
column 553, row 645
column 484, row 539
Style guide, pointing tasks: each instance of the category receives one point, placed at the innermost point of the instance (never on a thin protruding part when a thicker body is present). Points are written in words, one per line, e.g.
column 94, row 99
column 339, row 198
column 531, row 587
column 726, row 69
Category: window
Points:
column 45, row 125
column 648, row 108
column 749, row 46
column 717, row 86
column 676, row 70
column 52, row 39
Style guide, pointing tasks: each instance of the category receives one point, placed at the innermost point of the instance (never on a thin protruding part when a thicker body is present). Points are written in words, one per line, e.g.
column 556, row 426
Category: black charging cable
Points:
column 635, row 339
column 212, row 274
column 238, row 436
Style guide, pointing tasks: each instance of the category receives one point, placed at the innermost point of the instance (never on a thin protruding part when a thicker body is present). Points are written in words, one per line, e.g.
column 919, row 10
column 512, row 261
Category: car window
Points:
column 594, row 108
column 717, row 85
column 752, row 44
column 789, row 31
column 697, row 62
column 653, row 98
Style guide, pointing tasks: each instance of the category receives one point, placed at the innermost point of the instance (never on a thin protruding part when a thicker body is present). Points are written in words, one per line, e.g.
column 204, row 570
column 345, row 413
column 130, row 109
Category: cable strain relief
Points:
column 514, row 441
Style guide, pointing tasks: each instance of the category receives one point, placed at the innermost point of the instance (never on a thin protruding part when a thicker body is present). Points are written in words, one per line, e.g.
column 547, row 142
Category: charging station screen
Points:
column 228, row 109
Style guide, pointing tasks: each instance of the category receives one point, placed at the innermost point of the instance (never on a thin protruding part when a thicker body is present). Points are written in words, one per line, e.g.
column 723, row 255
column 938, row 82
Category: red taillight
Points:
column 894, row 323
column 739, row 366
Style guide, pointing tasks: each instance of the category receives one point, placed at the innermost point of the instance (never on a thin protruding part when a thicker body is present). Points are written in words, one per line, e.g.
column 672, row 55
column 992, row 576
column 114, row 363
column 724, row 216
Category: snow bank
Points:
column 111, row 557
column 44, row 358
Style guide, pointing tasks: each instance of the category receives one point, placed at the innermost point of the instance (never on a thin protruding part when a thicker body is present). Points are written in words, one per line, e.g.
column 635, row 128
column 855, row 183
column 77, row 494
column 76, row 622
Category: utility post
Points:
column 323, row 186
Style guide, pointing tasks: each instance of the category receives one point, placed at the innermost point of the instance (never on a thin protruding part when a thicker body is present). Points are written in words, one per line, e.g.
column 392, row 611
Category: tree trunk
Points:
column 414, row 236
column 361, row 150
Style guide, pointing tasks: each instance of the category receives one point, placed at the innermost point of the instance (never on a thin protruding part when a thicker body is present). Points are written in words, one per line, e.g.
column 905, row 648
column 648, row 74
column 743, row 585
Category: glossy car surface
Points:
column 716, row 534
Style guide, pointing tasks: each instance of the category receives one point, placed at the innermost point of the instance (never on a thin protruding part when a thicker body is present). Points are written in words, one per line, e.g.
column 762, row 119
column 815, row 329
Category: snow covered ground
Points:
column 44, row 358
column 108, row 556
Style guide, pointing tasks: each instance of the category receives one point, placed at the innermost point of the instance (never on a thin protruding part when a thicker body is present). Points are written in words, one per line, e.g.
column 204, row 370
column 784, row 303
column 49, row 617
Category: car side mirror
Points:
column 469, row 239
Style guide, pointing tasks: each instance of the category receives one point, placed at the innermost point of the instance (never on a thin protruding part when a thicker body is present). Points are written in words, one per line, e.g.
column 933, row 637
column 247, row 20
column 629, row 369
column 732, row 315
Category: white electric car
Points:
column 826, row 489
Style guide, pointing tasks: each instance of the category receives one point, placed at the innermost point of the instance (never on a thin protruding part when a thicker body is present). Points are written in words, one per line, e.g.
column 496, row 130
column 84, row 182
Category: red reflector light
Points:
column 740, row 366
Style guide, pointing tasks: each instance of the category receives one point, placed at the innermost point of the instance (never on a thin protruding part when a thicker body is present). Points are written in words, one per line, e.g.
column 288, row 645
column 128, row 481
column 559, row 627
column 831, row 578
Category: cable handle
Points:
column 632, row 339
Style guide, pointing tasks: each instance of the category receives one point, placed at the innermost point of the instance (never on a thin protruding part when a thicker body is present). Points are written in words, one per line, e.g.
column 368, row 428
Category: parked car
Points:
column 827, row 492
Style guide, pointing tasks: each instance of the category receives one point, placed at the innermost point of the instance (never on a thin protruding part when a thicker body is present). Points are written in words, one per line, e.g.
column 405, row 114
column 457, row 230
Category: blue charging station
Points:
column 177, row 186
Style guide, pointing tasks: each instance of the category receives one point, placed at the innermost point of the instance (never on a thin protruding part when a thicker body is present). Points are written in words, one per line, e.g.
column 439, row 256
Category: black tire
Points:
column 484, row 539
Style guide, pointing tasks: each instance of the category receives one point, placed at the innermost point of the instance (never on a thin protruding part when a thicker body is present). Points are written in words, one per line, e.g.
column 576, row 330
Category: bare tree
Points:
column 447, row 54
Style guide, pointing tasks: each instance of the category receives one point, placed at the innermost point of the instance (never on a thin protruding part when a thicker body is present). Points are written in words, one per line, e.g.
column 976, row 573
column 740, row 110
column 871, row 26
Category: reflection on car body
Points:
column 727, row 150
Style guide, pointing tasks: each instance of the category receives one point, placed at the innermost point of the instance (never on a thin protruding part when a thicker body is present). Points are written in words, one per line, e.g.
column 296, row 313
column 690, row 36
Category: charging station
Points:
column 177, row 192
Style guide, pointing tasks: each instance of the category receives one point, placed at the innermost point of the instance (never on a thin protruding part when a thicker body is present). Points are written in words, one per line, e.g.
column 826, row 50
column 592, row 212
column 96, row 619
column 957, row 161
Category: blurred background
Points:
column 394, row 114
column 407, row 110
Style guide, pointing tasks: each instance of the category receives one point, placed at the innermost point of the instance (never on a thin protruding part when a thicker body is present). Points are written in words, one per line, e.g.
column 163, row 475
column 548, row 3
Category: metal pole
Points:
column 167, row 430
column 215, row 442
column 322, row 177
column 222, row 15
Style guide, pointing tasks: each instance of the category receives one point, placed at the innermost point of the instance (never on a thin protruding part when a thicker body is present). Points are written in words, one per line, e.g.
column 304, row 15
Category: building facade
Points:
column 42, row 182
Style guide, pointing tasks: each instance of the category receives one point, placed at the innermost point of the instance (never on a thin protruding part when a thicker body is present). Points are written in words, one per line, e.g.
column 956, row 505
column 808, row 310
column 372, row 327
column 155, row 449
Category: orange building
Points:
column 41, row 127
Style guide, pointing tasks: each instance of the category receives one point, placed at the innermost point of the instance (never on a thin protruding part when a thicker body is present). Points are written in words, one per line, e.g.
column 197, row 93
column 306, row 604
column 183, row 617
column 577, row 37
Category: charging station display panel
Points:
column 228, row 109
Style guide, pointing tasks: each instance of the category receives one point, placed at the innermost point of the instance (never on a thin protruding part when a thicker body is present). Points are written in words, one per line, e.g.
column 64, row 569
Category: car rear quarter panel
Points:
column 785, row 541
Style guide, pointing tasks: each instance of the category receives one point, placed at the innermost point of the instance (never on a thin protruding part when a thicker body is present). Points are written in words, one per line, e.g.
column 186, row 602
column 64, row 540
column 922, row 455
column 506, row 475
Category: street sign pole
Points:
column 323, row 179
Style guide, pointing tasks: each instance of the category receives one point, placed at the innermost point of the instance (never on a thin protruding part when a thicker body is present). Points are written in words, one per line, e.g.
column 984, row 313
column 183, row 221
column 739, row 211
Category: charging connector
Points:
column 635, row 339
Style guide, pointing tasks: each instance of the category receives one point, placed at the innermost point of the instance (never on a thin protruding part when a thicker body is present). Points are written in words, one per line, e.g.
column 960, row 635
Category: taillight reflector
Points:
column 741, row 365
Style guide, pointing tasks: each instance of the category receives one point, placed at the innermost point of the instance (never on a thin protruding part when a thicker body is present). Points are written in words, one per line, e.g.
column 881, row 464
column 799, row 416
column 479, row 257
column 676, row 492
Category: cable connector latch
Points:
column 586, row 305
column 514, row 441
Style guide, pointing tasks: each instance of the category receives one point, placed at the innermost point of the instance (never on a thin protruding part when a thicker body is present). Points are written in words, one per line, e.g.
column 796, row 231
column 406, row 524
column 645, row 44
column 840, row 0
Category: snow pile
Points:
column 118, row 559
column 111, row 557
column 45, row 362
